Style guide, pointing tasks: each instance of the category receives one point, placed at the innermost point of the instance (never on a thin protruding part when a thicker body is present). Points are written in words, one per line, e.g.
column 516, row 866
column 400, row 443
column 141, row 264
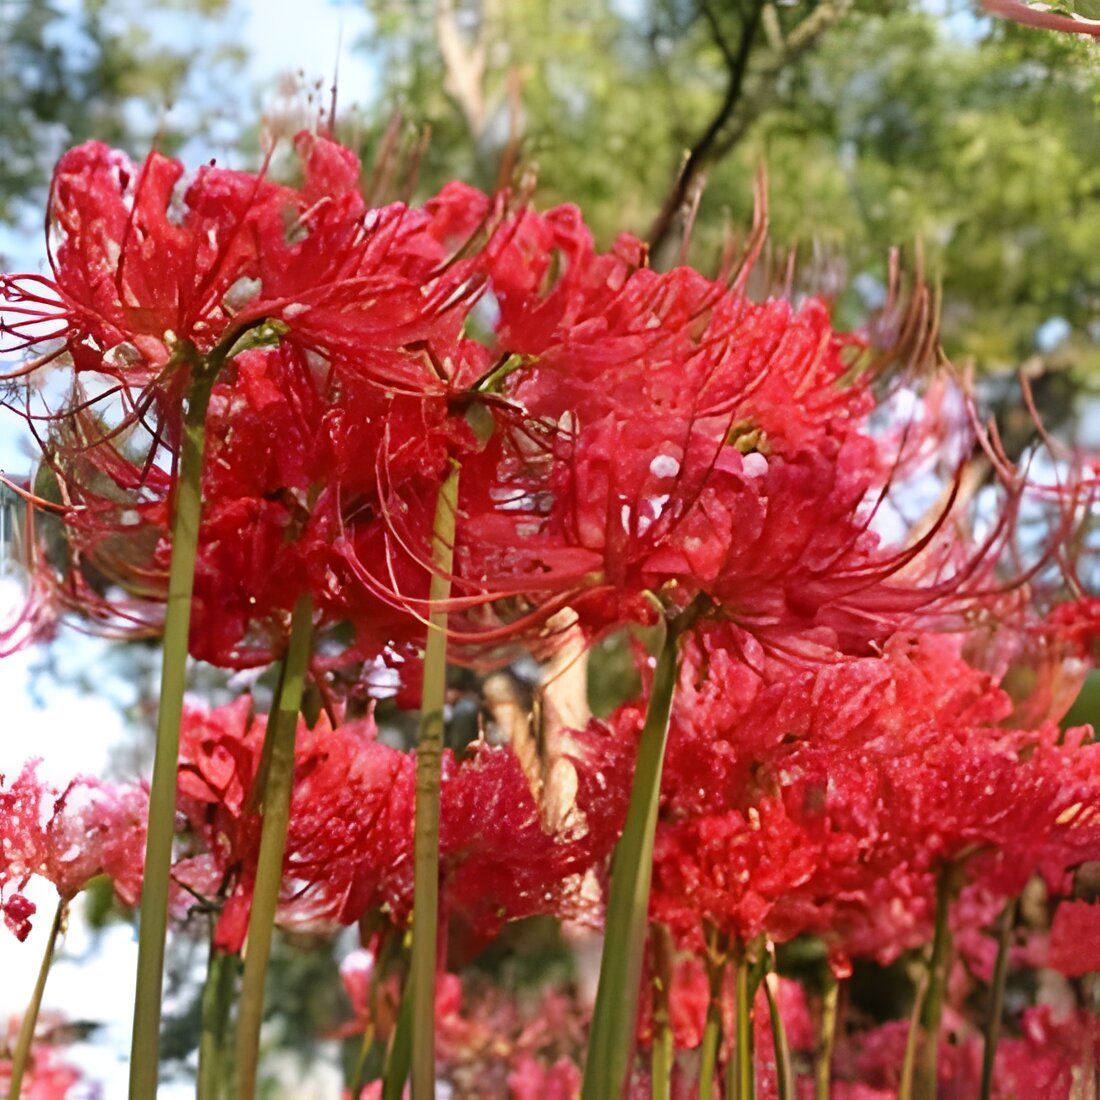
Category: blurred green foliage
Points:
column 108, row 69
column 880, row 123
column 979, row 138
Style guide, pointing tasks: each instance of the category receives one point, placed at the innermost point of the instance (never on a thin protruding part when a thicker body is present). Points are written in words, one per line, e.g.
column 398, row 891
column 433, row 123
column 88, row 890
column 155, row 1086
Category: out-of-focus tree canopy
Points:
column 109, row 69
column 879, row 123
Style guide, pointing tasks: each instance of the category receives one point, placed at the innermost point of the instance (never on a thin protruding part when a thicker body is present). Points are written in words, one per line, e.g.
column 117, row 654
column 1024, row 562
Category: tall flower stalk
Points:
column 826, row 1042
column 215, row 1071
column 145, row 1044
column 925, row 1077
column 663, row 1053
column 740, row 1075
column 997, row 997
column 429, row 761
column 717, row 959
column 784, row 1073
column 22, row 1053
column 612, row 1033
column 278, row 787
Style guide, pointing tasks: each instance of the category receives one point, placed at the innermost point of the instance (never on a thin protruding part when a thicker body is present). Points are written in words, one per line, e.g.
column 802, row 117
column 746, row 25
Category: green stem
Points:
column 708, row 1052
column 905, row 1085
column 153, row 915
column 217, row 999
column 662, row 1054
column 783, row 1072
column 997, row 998
column 1085, row 1084
column 616, row 1008
column 717, row 959
column 741, row 1062
column 826, row 1036
column 359, row 1074
column 399, row 1056
column 429, row 762
column 255, row 801
column 269, row 865
column 370, row 1065
column 927, row 1068
column 25, row 1042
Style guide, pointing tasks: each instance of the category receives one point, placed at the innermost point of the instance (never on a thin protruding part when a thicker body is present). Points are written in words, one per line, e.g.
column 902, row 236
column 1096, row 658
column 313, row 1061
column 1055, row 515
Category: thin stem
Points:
column 905, row 1085
column 269, row 865
column 708, row 1052
column 25, row 1042
column 217, row 999
column 399, row 1056
column 826, row 1036
column 616, row 1008
column 997, row 998
column 928, row 1064
column 1085, row 1083
column 255, row 803
column 429, row 762
column 662, row 1054
column 743, row 1088
column 372, row 1062
column 783, row 1072
column 145, row 1044
column 717, row 959
column 359, row 1075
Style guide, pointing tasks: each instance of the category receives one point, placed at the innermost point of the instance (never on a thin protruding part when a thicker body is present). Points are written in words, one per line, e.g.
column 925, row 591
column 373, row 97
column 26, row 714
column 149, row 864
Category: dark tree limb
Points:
column 739, row 108
column 799, row 42
column 737, row 63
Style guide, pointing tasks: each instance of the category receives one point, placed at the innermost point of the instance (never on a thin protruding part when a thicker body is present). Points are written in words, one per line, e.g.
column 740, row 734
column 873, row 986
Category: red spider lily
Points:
column 143, row 264
column 322, row 452
column 695, row 442
column 1044, row 1059
column 30, row 614
column 22, row 847
column 349, row 816
column 326, row 490
column 644, row 433
column 349, row 846
column 1047, row 1058
column 828, row 799
column 68, row 837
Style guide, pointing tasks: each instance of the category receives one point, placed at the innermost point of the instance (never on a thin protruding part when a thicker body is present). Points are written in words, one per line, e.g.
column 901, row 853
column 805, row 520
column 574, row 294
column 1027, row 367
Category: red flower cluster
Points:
column 349, row 847
column 828, row 799
column 627, row 438
column 490, row 1044
column 631, row 445
column 49, row 1076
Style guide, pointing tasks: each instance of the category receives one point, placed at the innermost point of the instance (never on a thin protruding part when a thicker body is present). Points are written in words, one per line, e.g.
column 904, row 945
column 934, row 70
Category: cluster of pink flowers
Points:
column 849, row 742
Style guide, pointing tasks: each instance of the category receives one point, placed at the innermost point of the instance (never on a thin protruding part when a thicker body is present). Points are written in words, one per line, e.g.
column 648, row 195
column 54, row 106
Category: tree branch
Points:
column 700, row 153
column 800, row 41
